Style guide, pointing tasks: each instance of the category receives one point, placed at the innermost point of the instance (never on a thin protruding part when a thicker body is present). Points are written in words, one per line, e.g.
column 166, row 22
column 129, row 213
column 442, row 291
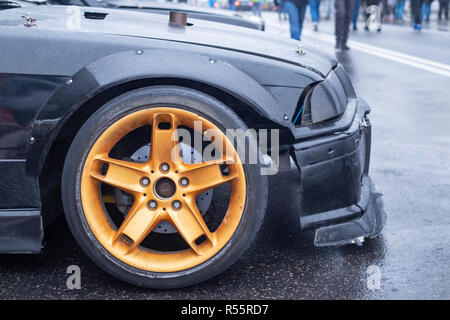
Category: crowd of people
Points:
column 348, row 11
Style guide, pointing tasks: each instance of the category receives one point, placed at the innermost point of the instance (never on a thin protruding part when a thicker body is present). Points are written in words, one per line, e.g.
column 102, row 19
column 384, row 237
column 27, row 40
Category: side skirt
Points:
column 21, row 231
column 21, row 228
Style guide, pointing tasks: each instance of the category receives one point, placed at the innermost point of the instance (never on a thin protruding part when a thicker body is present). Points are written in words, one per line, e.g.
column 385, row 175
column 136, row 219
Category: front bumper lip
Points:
column 331, row 169
column 339, row 200
column 369, row 224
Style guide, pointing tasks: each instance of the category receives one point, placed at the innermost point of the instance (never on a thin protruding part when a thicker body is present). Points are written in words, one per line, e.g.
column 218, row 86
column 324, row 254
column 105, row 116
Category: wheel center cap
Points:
column 164, row 188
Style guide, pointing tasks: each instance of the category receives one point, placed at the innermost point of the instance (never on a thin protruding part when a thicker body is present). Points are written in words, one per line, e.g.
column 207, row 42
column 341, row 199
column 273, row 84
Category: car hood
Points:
column 155, row 26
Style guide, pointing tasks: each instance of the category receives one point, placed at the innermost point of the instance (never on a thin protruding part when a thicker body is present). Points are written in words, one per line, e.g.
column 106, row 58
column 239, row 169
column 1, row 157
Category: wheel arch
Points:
column 84, row 93
column 46, row 159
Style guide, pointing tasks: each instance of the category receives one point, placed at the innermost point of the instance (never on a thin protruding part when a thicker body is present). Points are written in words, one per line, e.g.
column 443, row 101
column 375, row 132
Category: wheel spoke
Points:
column 190, row 225
column 206, row 175
column 139, row 222
column 164, row 141
column 120, row 174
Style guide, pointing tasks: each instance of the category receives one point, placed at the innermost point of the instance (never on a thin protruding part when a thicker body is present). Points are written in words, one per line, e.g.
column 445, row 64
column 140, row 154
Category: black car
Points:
column 123, row 118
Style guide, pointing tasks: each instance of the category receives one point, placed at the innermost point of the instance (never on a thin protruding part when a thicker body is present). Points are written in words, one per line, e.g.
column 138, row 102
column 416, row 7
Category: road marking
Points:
column 407, row 59
column 442, row 31
column 404, row 56
column 401, row 60
column 413, row 61
column 420, row 63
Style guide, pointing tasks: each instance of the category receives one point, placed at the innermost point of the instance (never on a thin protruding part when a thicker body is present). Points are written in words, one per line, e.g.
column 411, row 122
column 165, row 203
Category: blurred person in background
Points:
column 327, row 9
column 443, row 9
column 369, row 12
column 277, row 6
column 231, row 5
column 296, row 10
column 426, row 10
column 416, row 11
column 356, row 14
column 388, row 10
column 281, row 11
column 257, row 7
column 344, row 13
column 314, row 6
column 399, row 9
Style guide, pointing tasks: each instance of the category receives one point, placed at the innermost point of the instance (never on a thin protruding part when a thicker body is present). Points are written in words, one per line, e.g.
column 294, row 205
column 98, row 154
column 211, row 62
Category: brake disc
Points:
column 188, row 155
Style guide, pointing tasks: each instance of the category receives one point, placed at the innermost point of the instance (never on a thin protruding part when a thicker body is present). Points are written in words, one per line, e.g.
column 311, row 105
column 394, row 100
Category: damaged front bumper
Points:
column 339, row 200
column 369, row 224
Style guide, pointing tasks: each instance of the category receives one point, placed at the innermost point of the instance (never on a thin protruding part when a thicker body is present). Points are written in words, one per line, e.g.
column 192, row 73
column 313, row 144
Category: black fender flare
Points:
column 125, row 66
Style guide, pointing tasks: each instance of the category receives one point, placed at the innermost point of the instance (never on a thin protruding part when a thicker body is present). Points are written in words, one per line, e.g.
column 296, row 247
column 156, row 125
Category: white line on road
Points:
column 407, row 59
column 386, row 53
column 420, row 63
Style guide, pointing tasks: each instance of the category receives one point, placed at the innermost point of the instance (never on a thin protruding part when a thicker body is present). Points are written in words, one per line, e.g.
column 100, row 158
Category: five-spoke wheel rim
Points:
column 163, row 188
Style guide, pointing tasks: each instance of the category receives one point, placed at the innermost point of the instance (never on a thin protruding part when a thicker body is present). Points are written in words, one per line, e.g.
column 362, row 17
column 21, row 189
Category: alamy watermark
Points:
column 74, row 280
column 252, row 146
column 373, row 22
column 73, row 22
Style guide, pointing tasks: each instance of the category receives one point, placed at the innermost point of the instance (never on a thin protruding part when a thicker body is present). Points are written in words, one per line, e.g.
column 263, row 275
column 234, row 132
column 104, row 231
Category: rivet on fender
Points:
column 300, row 51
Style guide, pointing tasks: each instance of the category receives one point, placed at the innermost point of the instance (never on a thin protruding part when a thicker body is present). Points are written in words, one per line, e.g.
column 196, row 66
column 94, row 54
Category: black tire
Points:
column 200, row 103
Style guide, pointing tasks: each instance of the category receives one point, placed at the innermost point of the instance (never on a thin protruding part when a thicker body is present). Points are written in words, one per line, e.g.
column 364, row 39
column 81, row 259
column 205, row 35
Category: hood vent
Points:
column 95, row 15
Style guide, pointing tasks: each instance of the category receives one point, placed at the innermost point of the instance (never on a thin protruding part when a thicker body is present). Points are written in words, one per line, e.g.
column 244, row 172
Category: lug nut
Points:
column 164, row 167
column 145, row 181
column 176, row 205
column 184, row 182
column 152, row 204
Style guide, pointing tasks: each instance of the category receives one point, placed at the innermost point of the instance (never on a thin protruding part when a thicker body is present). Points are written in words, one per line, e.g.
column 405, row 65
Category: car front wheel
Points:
column 149, row 204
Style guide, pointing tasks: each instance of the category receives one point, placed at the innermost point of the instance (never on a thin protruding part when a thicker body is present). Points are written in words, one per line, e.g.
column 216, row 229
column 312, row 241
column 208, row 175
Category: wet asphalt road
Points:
column 410, row 164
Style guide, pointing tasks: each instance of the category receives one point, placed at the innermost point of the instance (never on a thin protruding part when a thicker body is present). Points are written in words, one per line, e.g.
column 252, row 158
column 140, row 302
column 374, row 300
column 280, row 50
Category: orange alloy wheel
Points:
column 164, row 188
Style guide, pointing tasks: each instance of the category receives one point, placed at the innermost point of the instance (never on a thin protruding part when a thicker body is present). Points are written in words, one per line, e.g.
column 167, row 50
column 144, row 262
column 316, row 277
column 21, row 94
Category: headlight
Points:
column 324, row 100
